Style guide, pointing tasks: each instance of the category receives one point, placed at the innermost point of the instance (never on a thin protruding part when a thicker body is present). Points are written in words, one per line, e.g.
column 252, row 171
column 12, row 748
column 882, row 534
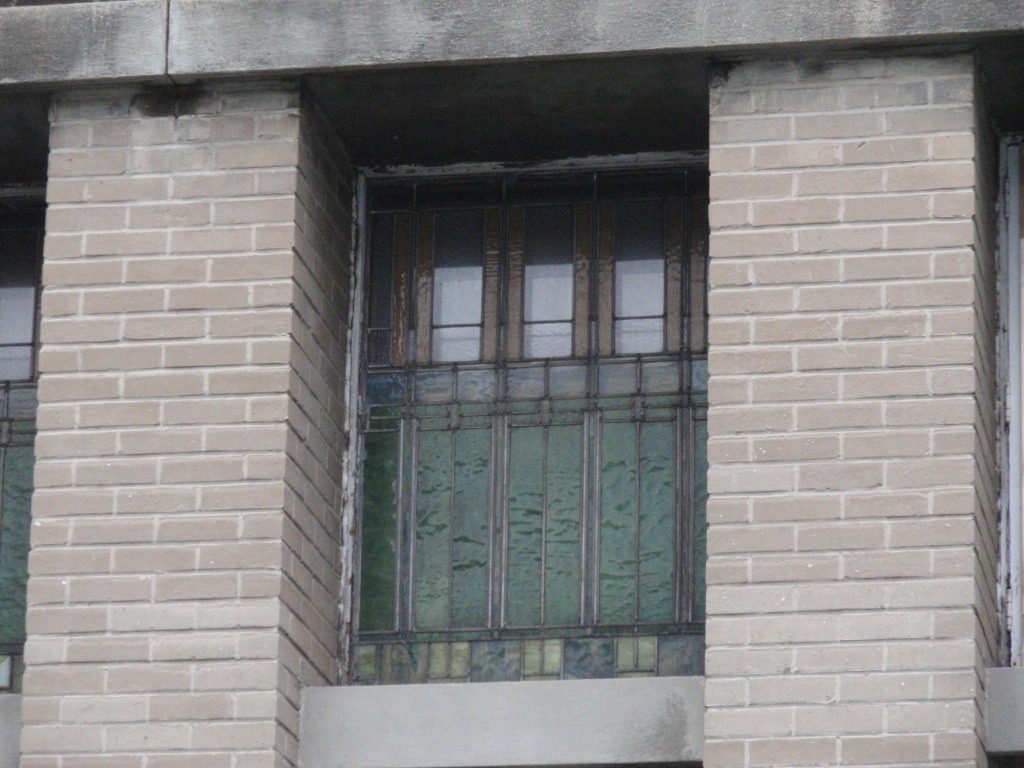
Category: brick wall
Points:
column 852, row 492
column 183, row 573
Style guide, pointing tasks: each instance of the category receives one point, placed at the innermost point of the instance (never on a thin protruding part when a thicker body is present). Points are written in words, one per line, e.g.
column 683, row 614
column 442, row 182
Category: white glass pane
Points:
column 548, row 292
column 638, row 336
column 455, row 344
column 458, row 295
column 639, row 288
column 15, row 363
column 547, row 340
column 17, row 311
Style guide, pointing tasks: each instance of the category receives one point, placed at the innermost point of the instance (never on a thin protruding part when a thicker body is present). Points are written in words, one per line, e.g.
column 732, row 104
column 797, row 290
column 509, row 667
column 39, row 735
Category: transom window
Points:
column 533, row 428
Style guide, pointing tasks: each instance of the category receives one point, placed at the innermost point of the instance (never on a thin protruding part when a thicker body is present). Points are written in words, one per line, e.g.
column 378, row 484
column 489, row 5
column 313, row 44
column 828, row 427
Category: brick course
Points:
column 852, row 472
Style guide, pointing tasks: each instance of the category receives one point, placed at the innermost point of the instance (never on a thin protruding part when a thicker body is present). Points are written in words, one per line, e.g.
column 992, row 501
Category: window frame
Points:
column 640, row 165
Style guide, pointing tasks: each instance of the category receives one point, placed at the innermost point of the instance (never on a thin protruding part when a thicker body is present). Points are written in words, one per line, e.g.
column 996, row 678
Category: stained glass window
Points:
column 20, row 246
column 533, row 429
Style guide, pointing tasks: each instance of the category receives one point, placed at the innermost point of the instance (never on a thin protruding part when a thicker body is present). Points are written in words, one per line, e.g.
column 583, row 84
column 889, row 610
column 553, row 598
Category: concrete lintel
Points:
column 598, row 722
column 210, row 37
column 10, row 728
column 119, row 39
column 1004, row 705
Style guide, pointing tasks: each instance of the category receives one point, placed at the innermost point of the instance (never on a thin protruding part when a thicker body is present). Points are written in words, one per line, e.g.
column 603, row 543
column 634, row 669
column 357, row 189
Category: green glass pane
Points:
column 14, row 531
column 700, row 517
column 657, row 521
column 618, row 523
column 562, row 537
column 496, row 661
column 525, row 525
column 379, row 534
column 432, row 563
column 470, row 518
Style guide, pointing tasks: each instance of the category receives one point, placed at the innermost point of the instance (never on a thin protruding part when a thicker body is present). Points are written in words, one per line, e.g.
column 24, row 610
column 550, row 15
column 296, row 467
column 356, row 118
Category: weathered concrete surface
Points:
column 598, row 722
column 230, row 36
column 129, row 40
column 10, row 728
column 521, row 112
column 1004, row 704
column 83, row 41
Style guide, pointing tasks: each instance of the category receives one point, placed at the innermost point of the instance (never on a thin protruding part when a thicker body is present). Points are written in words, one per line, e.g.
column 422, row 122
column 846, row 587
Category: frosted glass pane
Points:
column 638, row 336
column 458, row 268
column 17, row 310
column 639, row 288
column 15, row 363
column 453, row 344
column 548, row 292
column 458, row 293
column 547, row 340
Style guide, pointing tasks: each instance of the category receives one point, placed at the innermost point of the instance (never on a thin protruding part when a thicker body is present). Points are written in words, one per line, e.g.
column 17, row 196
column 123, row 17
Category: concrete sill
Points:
column 459, row 725
column 1004, row 709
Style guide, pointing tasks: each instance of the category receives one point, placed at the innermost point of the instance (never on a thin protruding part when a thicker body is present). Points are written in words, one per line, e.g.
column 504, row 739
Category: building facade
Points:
column 565, row 382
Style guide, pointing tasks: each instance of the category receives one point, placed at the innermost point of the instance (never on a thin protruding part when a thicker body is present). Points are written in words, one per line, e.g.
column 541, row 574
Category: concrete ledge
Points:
column 597, row 722
column 10, row 728
column 235, row 36
column 121, row 39
column 1004, row 710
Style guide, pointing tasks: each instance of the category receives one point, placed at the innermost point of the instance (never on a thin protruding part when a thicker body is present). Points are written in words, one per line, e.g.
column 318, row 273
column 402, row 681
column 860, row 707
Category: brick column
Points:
column 184, row 574
column 852, row 513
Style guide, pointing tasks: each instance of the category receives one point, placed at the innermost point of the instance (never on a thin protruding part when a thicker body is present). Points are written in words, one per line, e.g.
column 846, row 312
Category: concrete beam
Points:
column 1004, row 711
column 236, row 36
column 583, row 722
column 74, row 42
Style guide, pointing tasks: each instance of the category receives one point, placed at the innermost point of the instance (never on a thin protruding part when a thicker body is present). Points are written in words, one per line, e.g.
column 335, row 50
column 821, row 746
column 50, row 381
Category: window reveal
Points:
column 534, row 431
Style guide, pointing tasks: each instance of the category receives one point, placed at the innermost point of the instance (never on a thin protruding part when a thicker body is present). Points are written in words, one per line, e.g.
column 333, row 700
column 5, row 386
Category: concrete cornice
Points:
column 109, row 41
column 185, row 39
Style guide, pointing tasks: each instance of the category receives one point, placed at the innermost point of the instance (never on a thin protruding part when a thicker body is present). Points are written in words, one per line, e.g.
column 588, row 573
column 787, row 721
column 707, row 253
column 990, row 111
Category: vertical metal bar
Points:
column 492, row 280
column 581, row 280
column 673, row 276
column 544, row 525
column 516, row 246
column 682, row 568
column 401, row 277
column 606, row 279
column 637, row 426
column 698, row 241
column 408, row 520
column 595, row 534
column 424, row 284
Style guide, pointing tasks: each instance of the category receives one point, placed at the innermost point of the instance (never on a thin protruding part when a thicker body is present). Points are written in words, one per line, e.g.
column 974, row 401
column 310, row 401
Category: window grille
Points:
column 533, row 422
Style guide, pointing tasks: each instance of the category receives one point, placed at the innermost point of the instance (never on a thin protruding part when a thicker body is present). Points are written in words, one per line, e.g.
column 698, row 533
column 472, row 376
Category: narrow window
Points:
column 533, row 429
column 20, row 248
